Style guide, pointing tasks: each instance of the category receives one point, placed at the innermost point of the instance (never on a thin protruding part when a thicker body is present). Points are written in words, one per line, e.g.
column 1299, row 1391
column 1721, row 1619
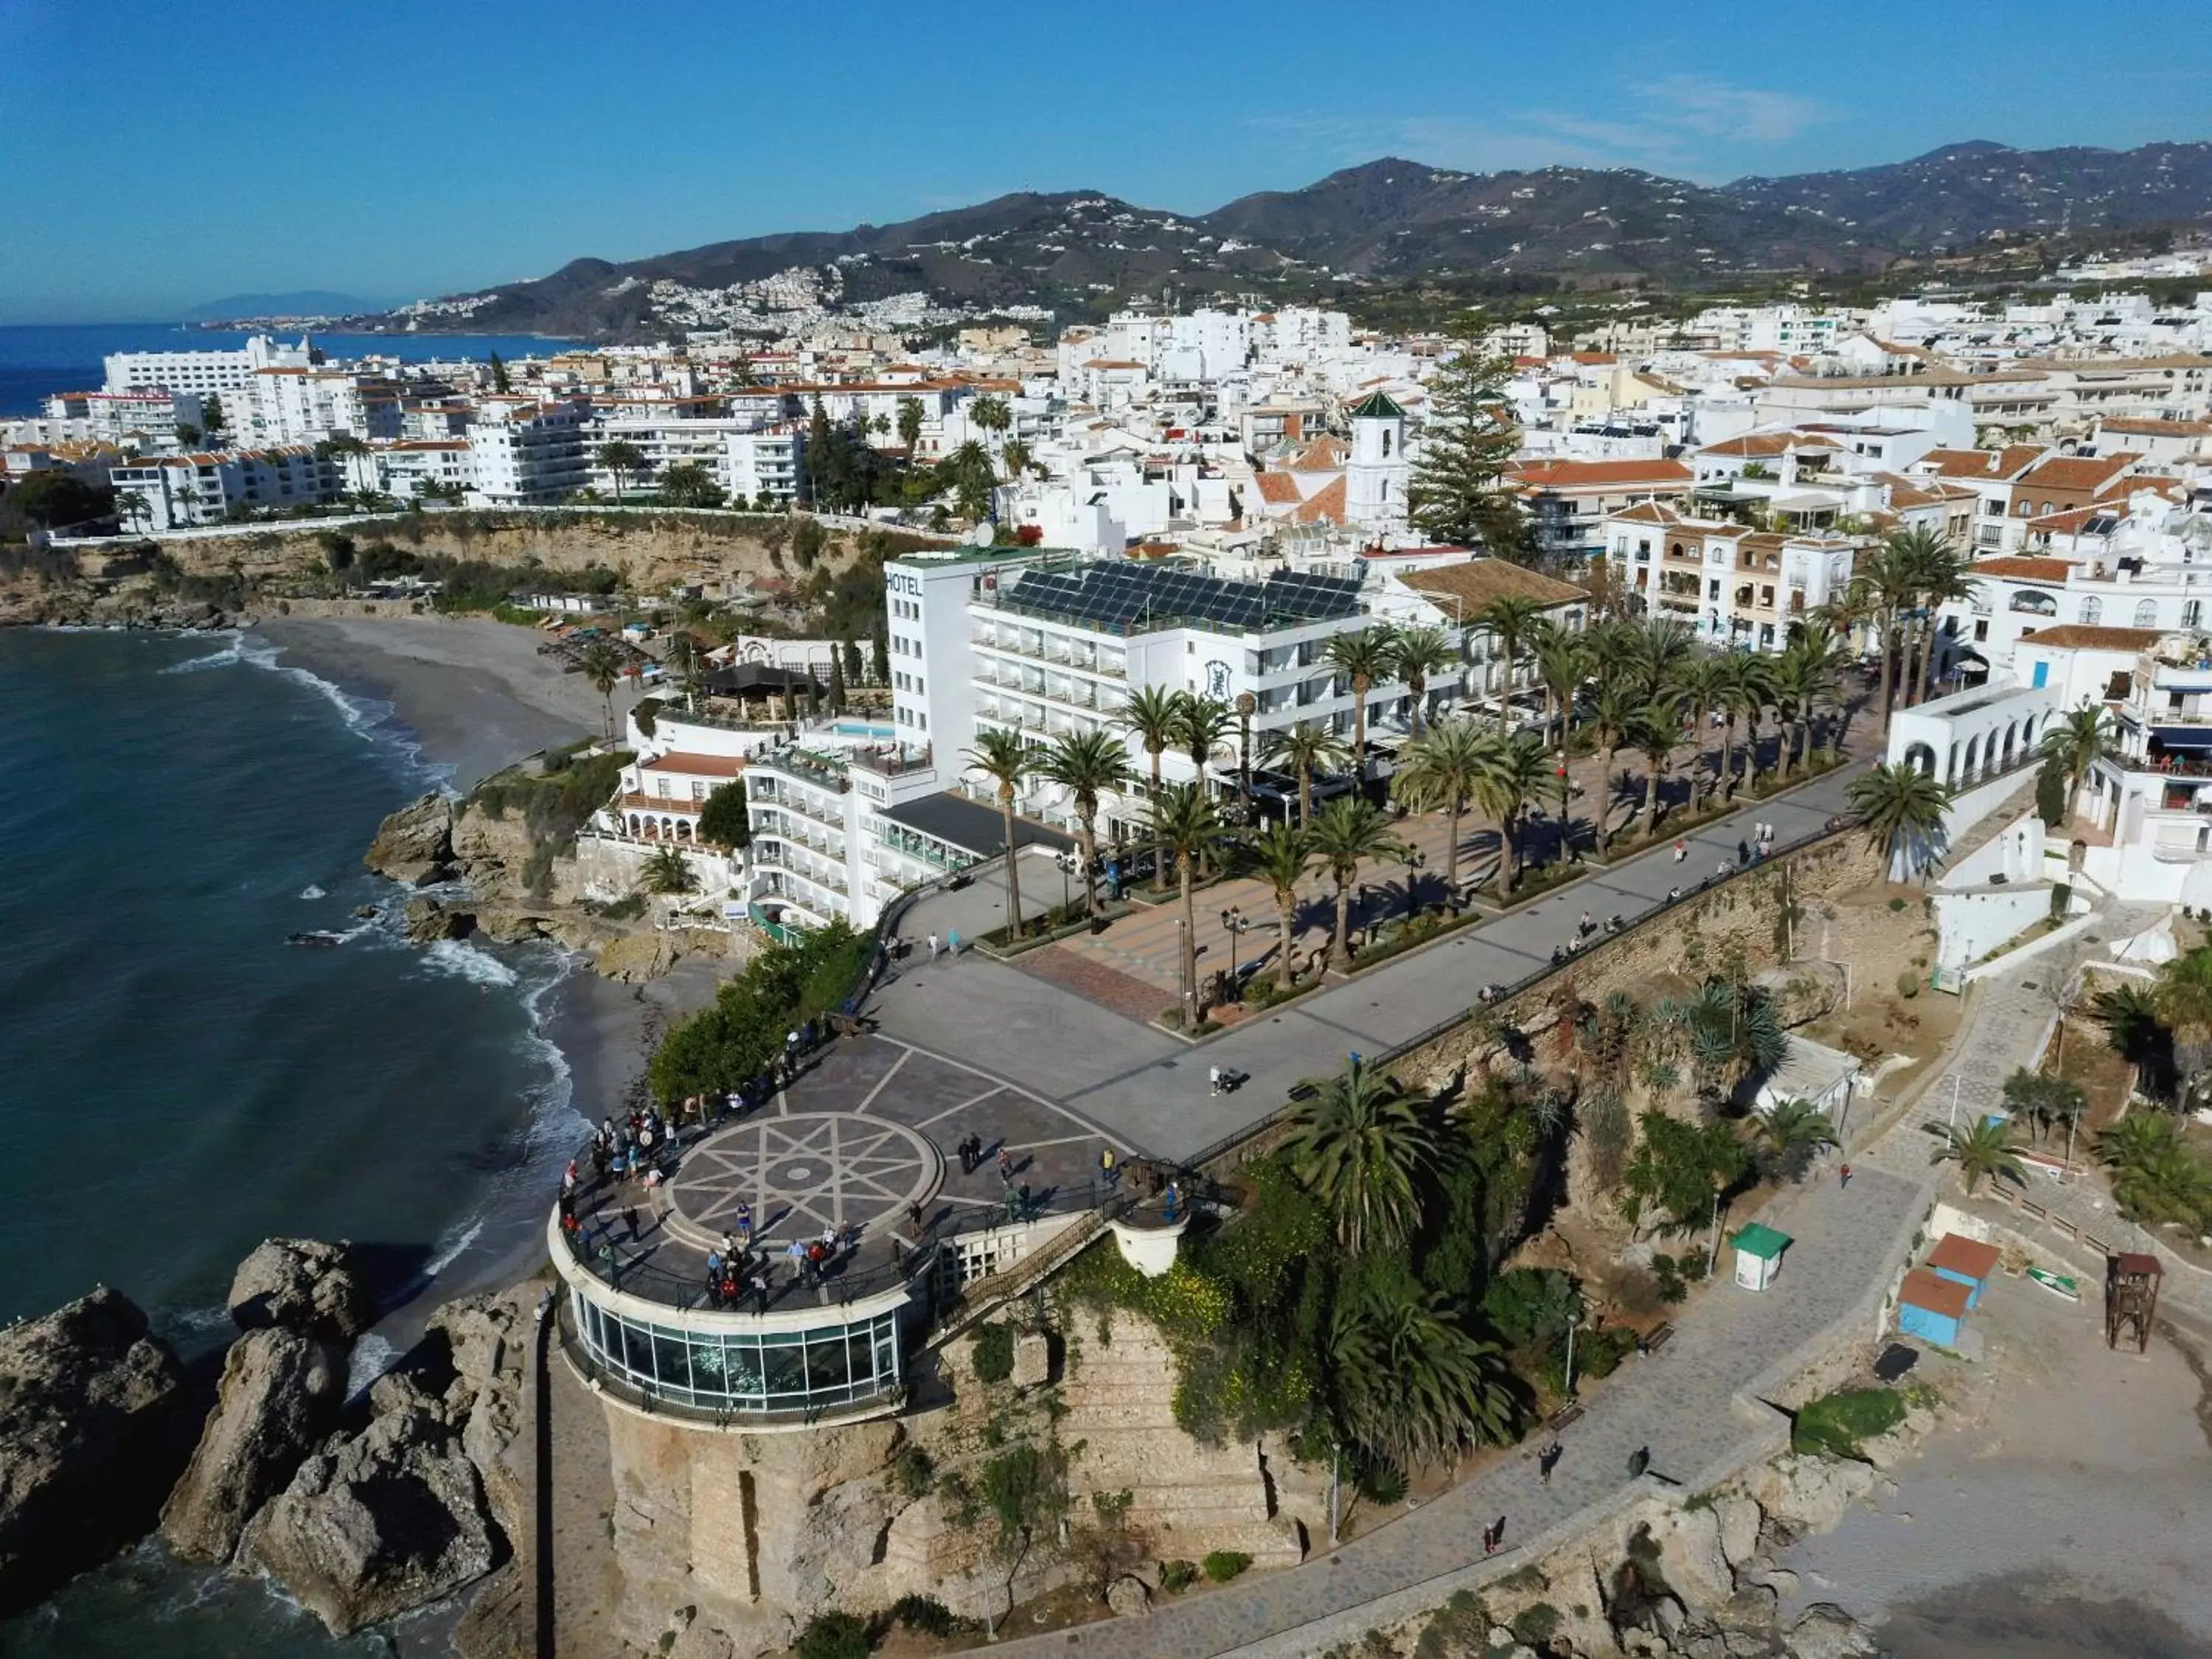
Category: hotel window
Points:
column 2146, row 614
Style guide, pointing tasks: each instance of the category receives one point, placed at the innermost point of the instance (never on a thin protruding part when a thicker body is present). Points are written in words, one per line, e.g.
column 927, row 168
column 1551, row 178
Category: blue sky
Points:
column 156, row 156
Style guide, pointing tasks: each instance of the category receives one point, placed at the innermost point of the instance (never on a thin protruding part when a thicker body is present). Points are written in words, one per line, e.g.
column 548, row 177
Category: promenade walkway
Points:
column 1151, row 1089
column 1686, row 1404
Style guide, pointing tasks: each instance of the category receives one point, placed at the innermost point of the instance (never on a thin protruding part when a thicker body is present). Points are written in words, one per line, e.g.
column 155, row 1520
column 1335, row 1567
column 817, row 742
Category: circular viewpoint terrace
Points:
column 859, row 1157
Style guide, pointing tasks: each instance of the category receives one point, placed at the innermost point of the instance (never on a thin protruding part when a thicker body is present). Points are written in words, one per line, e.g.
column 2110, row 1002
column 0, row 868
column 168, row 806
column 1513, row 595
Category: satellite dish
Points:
column 984, row 534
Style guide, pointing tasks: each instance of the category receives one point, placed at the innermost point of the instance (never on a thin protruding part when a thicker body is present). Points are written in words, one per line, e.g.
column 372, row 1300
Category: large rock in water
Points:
column 303, row 1285
column 93, row 1424
column 383, row 1523
column 415, row 843
column 280, row 1395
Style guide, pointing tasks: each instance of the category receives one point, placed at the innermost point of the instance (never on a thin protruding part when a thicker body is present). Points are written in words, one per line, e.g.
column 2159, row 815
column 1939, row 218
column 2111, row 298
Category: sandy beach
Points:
column 475, row 692
column 477, row 696
column 2057, row 1512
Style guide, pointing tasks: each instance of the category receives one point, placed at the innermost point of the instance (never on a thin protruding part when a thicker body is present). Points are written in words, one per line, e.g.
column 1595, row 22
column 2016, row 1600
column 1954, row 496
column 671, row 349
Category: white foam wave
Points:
column 457, row 959
column 312, row 891
column 202, row 1319
column 372, row 1357
column 232, row 652
column 450, row 1252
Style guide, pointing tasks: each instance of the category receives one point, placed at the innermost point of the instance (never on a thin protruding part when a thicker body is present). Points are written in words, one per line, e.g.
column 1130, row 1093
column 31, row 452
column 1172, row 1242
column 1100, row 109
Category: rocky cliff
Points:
column 94, row 1422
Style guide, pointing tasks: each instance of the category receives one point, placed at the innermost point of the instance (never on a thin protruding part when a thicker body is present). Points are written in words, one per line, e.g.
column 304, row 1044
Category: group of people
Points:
column 948, row 946
column 971, row 1157
column 636, row 1145
column 735, row 1269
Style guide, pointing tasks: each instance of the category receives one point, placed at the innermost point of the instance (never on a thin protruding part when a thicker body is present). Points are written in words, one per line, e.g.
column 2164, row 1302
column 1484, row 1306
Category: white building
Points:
column 147, row 421
column 526, row 453
column 1733, row 585
column 286, row 403
column 202, row 372
column 181, row 491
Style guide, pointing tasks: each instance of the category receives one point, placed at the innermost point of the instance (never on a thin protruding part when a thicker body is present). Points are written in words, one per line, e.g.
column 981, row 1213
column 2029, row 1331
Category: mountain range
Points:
column 1383, row 224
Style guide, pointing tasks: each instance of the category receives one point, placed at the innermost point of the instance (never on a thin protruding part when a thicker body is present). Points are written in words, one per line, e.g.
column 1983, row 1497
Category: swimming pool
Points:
column 864, row 729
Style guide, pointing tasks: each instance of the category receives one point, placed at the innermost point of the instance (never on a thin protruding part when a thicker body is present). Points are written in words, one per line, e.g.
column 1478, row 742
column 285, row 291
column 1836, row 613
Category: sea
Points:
column 179, row 1082
column 37, row 362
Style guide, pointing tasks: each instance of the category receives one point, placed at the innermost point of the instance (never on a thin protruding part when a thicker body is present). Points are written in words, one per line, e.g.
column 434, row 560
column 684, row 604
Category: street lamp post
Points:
column 1233, row 922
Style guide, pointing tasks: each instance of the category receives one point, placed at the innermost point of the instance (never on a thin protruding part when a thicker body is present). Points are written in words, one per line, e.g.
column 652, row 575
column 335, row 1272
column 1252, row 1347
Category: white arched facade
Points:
column 1961, row 740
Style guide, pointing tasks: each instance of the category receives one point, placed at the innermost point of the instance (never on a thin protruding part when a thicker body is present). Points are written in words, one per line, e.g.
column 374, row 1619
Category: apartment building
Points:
column 1733, row 584
column 289, row 405
column 201, row 372
column 745, row 460
column 527, row 454
column 1570, row 501
column 181, row 491
column 147, row 421
column 410, row 467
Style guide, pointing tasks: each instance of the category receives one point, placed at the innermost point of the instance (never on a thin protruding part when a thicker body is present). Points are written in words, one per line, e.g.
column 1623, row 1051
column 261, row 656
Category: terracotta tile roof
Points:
column 2064, row 524
column 2077, row 471
column 1982, row 463
column 1323, row 454
column 1325, row 504
column 1751, row 444
column 1277, row 489
column 1591, row 475
column 1477, row 582
column 2132, row 428
column 2019, row 569
column 1596, row 359
column 698, row 766
column 2089, row 637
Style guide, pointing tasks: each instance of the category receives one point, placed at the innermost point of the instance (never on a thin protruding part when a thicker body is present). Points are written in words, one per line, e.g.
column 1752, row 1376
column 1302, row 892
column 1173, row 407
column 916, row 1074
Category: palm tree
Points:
column 2183, row 999
column 1410, row 1385
column 2080, row 740
column 1003, row 758
column 1087, row 765
column 1344, row 832
column 602, row 669
column 1882, row 588
column 2129, row 1013
column 1416, row 654
column 1200, row 724
column 1563, row 663
column 133, row 506
column 1360, row 1145
column 2135, row 1139
column 910, row 422
column 1303, row 749
column 1656, row 731
column 1509, row 620
column 1983, row 1148
column 990, row 413
column 1939, row 575
column 1614, row 716
column 1514, row 776
column 1014, row 456
column 1443, row 768
column 967, row 472
column 1901, row 808
column 1788, row 1136
column 1660, row 647
column 623, row 458
column 1152, row 714
column 1799, row 678
column 1702, row 683
column 1363, row 658
column 1743, row 687
column 1282, row 855
column 2171, row 1185
column 667, row 873
column 1187, row 825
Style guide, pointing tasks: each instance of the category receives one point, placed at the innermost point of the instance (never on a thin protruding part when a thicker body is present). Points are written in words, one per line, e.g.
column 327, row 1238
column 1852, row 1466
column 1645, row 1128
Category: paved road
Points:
column 1151, row 1089
column 1679, row 1404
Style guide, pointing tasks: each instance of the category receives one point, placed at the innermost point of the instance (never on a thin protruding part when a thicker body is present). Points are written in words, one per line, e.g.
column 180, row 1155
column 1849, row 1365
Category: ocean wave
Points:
column 202, row 1319
column 448, row 1252
column 457, row 959
column 312, row 891
column 372, row 1357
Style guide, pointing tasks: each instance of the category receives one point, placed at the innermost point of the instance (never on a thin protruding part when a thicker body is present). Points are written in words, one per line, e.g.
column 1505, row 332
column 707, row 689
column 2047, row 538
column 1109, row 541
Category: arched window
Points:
column 1386, row 444
column 2093, row 611
column 2146, row 614
column 2035, row 602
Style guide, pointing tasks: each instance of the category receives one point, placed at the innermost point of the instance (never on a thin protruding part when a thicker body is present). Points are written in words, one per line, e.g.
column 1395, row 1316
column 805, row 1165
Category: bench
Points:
column 1305, row 1091
column 1566, row 1414
column 1657, row 1339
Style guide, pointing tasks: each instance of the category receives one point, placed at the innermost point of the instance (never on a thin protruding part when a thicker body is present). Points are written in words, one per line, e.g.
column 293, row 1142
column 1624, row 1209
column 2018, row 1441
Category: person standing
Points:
column 952, row 942
column 1843, row 1177
column 630, row 1220
column 1005, row 1162
column 933, row 947
column 1109, row 1169
column 1547, row 1461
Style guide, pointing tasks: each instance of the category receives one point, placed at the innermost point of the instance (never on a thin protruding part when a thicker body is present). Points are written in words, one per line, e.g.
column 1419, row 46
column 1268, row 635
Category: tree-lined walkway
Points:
column 1152, row 1089
column 1677, row 1404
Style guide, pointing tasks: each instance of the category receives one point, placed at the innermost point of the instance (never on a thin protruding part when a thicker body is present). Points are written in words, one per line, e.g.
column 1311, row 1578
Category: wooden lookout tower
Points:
column 2130, row 1298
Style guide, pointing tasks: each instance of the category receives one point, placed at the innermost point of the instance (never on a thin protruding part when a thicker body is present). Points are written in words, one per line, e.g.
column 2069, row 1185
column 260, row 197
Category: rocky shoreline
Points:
column 361, row 1510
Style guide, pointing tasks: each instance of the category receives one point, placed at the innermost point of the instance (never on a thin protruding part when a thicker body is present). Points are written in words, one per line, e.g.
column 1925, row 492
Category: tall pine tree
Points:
column 1468, row 440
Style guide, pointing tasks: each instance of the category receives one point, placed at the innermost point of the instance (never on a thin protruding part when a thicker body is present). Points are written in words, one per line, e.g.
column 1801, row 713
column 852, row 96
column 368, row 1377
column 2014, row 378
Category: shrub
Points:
column 1536, row 1625
column 994, row 1353
column 1176, row 1576
column 1835, row 1424
column 1379, row 1482
column 1222, row 1566
column 1895, row 905
column 913, row 1473
column 926, row 1614
column 832, row 1636
column 1908, row 985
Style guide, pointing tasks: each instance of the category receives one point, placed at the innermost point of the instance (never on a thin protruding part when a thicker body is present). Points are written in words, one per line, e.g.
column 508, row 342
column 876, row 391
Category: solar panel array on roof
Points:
column 1127, row 597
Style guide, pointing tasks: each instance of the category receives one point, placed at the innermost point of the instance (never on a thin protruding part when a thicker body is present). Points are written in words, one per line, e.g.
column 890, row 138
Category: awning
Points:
column 970, row 826
column 2181, row 737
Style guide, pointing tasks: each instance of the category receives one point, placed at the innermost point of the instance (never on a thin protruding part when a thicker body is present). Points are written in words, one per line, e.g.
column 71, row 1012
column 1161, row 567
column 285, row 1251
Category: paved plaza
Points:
column 864, row 1144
